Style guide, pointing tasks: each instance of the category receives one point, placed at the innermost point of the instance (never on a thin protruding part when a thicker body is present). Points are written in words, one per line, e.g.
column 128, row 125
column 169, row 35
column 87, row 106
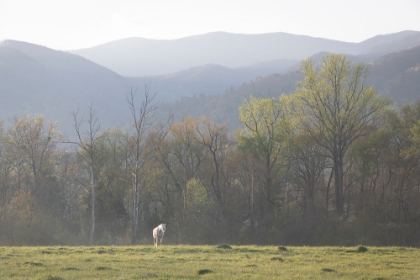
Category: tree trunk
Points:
column 339, row 182
column 92, row 225
column 327, row 195
column 135, row 207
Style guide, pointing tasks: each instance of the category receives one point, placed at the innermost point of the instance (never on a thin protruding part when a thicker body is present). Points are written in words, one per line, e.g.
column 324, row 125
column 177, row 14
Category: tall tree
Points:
column 143, row 119
column 111, row 213
column 214, row 139
column 36, row 140
column 308, row 161
column 87, row 142
column 30, row 149
column 181, row 157
column 265, row 133
column 336, row 109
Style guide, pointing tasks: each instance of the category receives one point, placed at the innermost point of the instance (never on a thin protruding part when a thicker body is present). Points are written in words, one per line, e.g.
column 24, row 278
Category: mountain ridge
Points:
column 138, row 57
column 37, row 80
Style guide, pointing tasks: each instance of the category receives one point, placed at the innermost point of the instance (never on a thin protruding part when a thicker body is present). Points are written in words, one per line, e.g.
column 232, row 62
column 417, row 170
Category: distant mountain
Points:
column 144, row 57
column 384, row 44
column 39, row 80
column 395, row 75
column 209, row 79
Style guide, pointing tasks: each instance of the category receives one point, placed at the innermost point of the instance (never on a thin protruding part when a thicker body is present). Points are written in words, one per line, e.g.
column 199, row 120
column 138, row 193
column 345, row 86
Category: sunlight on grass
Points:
column 195, row 262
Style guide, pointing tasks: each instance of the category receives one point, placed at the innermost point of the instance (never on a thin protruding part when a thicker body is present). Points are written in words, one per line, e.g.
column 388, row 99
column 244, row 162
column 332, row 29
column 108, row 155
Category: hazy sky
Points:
column 73, row 24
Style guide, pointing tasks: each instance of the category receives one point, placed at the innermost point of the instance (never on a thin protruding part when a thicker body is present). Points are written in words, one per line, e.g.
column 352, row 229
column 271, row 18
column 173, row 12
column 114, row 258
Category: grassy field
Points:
column 208, row 262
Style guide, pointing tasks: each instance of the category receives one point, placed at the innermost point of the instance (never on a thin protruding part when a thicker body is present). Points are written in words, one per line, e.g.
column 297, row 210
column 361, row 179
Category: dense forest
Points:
column 331, row 164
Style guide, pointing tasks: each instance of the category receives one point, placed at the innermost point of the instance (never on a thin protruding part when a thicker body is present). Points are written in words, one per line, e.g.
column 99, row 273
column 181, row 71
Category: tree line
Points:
column 331, row 164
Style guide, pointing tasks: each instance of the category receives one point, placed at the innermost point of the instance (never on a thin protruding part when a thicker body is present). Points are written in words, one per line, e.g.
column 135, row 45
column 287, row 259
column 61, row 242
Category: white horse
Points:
column 158, row 233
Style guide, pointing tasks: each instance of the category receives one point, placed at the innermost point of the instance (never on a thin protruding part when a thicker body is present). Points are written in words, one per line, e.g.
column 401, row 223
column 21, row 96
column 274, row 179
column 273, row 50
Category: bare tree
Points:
column 87, row 142
column 142, row 120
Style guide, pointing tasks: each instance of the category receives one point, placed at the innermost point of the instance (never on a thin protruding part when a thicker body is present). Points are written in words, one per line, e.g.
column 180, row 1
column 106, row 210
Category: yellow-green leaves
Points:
column 263, row 117
column 336, row 108
column 333, row 100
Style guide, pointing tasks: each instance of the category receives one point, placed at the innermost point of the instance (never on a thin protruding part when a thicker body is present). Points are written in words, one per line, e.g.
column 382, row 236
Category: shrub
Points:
column 204, row 271
column 361, row 249
column 224, row 246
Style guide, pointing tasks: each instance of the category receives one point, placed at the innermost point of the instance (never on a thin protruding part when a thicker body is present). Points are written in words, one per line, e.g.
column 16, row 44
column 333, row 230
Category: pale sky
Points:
column 74, row 24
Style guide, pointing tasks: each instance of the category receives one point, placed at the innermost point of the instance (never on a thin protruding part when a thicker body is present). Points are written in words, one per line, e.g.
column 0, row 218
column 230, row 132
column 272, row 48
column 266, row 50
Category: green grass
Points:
column 208, row 262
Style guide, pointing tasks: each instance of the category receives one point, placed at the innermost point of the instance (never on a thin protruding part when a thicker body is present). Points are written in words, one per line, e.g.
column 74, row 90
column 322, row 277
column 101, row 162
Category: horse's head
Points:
column 163, row 228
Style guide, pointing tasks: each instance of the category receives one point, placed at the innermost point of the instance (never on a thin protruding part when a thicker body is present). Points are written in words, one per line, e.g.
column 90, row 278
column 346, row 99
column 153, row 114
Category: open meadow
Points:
column 209, row 262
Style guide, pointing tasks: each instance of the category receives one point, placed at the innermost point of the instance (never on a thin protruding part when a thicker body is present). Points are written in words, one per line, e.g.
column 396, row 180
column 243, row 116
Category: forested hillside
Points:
column 331, row 163
column 397, row 75
column 394, row 75
column 209, row 79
